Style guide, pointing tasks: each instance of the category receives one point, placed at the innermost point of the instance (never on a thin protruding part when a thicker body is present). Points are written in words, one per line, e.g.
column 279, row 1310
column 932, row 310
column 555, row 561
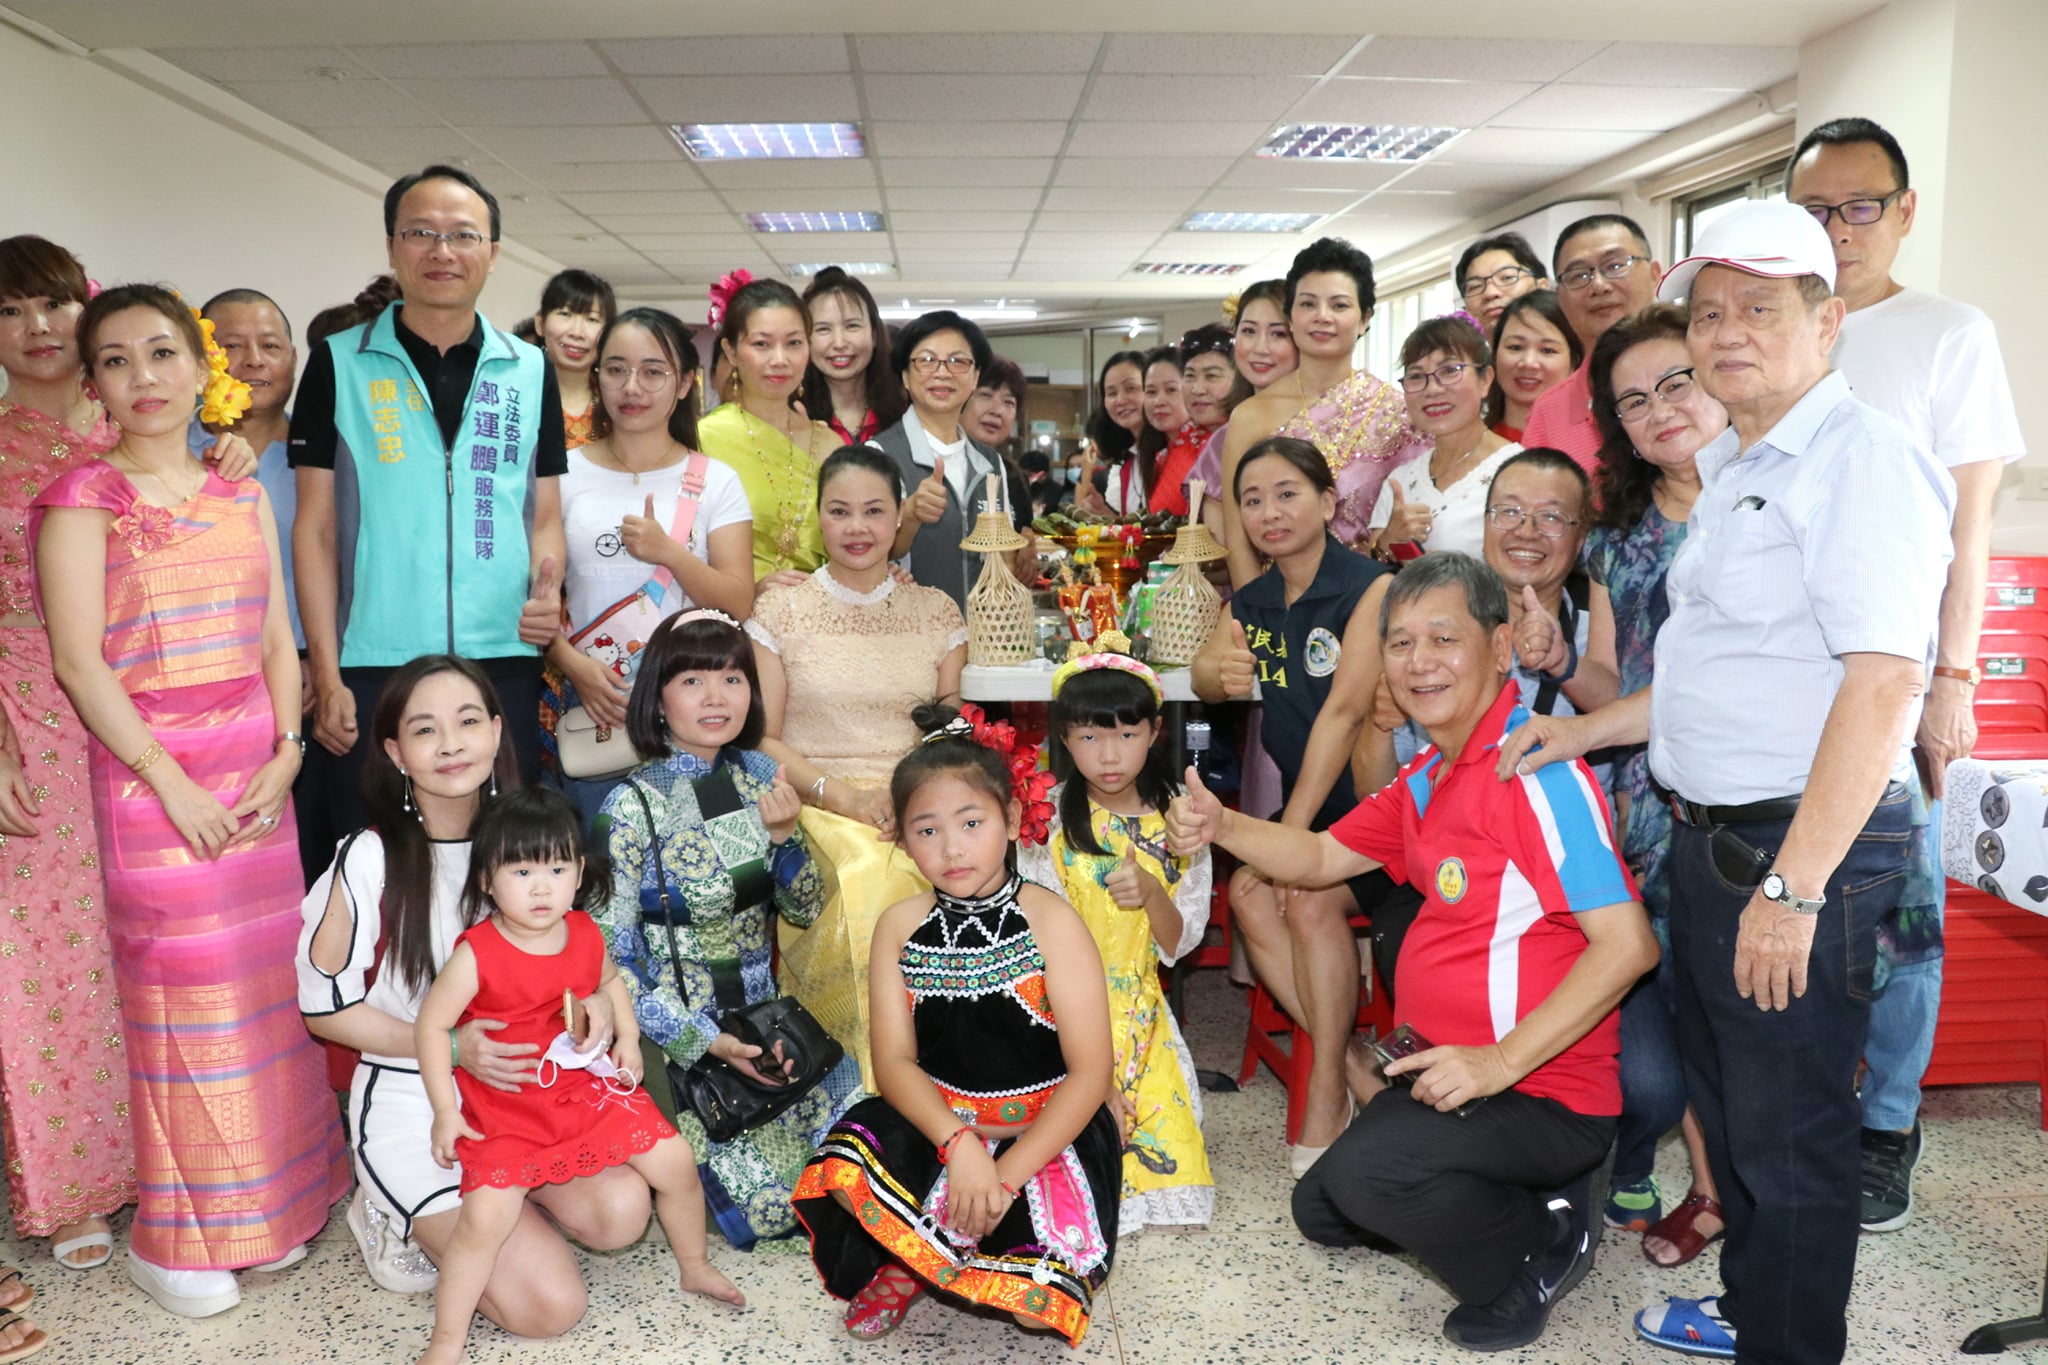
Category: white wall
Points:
column 140, row 187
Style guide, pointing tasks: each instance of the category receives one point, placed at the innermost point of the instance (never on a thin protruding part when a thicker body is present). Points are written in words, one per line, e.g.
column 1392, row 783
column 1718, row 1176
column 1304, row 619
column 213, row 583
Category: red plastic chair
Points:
column 1291, row 1057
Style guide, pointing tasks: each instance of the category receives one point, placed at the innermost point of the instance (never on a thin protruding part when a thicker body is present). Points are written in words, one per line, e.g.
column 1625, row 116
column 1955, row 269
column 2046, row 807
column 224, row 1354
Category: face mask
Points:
column 563, row 1054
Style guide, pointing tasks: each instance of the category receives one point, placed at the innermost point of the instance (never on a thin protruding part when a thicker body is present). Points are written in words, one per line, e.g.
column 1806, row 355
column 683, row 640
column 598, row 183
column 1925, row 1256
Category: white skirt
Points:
column 391, row 1124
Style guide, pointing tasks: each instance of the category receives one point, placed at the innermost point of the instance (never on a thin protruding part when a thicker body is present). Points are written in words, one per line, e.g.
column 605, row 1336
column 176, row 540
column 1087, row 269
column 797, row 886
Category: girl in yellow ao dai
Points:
column 1107, row 857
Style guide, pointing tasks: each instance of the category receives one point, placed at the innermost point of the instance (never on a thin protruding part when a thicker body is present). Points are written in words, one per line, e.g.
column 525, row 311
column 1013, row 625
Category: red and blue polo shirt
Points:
column 1503, row 867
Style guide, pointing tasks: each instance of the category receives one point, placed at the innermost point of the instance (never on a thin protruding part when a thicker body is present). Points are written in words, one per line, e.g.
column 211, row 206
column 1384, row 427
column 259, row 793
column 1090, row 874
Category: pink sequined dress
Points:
column 1361, row 426
column 63, row 1073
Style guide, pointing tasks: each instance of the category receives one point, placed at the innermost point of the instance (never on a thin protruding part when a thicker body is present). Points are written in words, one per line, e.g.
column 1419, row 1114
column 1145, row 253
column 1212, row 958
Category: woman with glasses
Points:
column 939, row 359
column 849, row 382
column 1534, row 350
column 623, row 500
column 574, row 307
column 1495, row 271
column 1438, row 501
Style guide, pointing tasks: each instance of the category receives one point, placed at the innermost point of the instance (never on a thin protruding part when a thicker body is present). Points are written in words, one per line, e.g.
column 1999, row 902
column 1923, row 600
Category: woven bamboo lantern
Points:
column 1001, row 627
column 1186, row 605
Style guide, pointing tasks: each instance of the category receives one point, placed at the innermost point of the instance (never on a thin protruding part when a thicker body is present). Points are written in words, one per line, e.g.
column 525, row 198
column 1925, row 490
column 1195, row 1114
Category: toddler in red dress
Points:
column 586, row 1113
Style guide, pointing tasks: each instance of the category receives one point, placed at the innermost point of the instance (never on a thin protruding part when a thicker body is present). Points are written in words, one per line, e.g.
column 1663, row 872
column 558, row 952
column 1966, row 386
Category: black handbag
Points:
column 725, row 1099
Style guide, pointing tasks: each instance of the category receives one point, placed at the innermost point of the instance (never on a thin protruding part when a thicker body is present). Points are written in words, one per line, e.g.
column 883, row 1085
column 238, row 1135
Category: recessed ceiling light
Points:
column 1248, row 222
column 1356, row 142
column 850, row 267
column 768, row 141
column 815, row 222
column 1185, row 268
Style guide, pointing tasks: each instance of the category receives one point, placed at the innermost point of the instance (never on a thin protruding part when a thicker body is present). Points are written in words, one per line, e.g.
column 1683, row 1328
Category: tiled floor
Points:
column 1248, row 1290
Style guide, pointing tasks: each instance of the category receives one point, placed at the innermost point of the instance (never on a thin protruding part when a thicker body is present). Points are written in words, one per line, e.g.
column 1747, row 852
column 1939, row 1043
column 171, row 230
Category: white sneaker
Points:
column 188, row 1293
column 394, row 1262
column 290, row 1258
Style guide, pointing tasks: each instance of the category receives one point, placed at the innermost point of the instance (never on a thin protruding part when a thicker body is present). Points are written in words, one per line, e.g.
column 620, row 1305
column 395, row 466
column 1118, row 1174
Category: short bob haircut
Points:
column 1514, row 243
column 676, row 343
column 579, row 291
column 36, row 268
column 1333, row 255
column 1001, row 372
column 1543, row 303
column 704, row 645
column 865, row 458
column 531, row 825
column 1450, row 334
column 1306, row 459
column 1486, row 597
column 403, row 185
column 918, row 330
column 157, row 297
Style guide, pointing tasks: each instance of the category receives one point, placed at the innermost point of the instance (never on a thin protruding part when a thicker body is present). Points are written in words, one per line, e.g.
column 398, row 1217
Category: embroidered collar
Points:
column 833, row 588
column 1002, row 898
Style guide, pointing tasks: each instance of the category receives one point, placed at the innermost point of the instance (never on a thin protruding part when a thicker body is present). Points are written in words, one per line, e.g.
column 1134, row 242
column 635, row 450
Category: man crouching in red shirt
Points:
column 1477, row 1157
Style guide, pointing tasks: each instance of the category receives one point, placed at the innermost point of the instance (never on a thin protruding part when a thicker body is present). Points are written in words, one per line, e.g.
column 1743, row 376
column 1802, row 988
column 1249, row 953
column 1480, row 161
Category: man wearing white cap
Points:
column 1804, row 609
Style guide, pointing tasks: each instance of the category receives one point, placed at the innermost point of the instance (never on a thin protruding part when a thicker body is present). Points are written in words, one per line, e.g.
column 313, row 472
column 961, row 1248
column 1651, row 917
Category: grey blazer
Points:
column 936, row 559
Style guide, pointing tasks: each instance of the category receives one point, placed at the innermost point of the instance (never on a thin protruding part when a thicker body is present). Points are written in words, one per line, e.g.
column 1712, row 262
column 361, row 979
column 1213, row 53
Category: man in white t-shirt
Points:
column 1933, row 364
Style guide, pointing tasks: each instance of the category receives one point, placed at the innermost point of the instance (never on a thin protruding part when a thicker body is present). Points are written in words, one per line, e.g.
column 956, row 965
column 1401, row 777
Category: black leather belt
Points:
column 1755, row 813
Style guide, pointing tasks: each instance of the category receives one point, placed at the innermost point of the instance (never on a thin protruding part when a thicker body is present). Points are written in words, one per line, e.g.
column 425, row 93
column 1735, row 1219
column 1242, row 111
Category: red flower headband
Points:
column 722, row 292
column 1029, row 784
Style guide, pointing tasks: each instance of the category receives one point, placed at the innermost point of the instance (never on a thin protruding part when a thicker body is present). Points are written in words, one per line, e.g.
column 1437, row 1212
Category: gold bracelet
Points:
column 148, row 756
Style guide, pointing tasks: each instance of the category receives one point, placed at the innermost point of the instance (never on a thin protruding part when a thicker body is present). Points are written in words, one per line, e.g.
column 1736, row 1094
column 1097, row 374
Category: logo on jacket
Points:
column 1450, row 880
column 1321, row 653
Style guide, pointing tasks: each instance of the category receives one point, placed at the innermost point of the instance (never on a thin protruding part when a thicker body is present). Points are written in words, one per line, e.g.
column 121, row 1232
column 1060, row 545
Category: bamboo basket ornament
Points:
column 1002, row 629
column 1186, row 606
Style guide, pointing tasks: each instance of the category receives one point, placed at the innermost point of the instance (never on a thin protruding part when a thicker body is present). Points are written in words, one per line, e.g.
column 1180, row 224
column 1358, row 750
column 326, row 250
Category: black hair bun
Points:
column 933, row 715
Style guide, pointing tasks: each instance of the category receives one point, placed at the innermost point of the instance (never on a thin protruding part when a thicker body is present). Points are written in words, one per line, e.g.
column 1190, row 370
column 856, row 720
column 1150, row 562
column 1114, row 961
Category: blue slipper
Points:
column 1692, row 1327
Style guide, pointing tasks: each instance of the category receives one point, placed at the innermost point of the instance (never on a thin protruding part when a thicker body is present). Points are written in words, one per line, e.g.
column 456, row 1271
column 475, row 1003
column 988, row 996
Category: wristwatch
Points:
column 1971, row 675
column 1774, row 889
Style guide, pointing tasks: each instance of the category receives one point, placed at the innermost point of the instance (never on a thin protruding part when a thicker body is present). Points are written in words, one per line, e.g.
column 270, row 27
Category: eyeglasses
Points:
column 1673, row 388
column 422, row 239
column 1858, row 212
column 614, row 375
column 1550, row 523
column 1415, row 381
column 924, row 362
column 1505, row 278
column 1616, row 269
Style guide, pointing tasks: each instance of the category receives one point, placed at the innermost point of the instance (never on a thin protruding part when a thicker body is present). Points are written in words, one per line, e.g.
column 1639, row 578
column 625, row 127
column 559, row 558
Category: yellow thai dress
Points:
column 781, row 480
column 1166, row 1180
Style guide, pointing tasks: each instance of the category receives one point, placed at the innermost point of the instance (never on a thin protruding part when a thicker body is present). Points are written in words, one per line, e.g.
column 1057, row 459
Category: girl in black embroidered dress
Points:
column 989, row 1167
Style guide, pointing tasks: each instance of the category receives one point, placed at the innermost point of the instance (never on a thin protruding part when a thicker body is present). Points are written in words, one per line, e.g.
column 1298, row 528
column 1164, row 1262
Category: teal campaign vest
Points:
column 432, row 541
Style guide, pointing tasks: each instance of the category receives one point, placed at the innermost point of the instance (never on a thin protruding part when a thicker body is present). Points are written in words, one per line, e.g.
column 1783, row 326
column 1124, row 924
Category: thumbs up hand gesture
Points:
column 1239, row 670
column 1409, row 521
column 1194, row 819
column 540, row 619
column 779, row 807
column 1127, row 883
column 1539, row 638
column 928, row 503
column 646, row 539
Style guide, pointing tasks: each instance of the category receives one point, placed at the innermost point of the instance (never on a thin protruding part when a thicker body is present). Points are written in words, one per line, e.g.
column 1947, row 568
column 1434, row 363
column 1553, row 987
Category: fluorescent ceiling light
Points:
column 1355, row 142
column 987, row 312
column 815, row 222
column 768, row 141
column 850, row 267
column 1185, row 268
column 1249, row 222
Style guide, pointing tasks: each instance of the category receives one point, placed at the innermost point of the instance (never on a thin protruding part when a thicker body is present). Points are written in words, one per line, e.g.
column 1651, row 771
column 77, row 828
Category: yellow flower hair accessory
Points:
column 1110, row 649
column 226, row 397
column 1231, row 303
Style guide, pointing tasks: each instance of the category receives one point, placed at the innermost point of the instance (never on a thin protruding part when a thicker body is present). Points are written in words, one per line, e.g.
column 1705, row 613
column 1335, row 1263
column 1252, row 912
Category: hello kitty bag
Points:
column 590, row 751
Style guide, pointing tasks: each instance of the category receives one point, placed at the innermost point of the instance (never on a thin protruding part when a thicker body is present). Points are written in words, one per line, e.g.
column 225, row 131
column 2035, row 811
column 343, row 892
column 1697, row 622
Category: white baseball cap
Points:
column 1768, row 237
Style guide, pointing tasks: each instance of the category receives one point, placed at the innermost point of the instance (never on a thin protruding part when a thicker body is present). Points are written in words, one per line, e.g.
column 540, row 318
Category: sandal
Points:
column 28, row 1293
column 1691, row 1327
column 101, row 1241
column 1680, row 1228
column 880, row 1308
column 35, row 1341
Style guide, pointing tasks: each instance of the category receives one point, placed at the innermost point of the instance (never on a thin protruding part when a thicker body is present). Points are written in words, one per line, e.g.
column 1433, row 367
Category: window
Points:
column 1395, row 316
column 1693, row 214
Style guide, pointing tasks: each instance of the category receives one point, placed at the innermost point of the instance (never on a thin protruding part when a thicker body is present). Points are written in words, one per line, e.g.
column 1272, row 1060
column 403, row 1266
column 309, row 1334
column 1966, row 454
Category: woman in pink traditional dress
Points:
column 162, row 589
column 1358, row 422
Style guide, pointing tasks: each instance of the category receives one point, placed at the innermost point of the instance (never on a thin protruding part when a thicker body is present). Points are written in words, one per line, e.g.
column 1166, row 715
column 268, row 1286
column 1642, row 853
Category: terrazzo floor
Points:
column 1247, row 1290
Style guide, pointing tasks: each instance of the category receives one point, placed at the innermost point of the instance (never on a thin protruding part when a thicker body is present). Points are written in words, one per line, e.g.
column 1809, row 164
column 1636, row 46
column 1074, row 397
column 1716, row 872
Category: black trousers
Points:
column 1465, row 1195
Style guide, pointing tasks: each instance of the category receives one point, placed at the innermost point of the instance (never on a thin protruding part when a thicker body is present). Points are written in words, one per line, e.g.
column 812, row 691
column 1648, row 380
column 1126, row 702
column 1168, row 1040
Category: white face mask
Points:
column 563, row 1054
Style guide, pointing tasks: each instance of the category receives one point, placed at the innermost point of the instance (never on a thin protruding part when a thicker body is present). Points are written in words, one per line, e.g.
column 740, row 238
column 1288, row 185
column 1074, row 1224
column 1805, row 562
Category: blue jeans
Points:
column 1775, row 1089
column 1652, row 1078
column 1902, row 1022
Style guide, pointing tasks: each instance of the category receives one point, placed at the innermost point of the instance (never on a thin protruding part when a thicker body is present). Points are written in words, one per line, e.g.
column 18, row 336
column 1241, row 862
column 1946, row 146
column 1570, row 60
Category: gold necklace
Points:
column 618, row 458
column 134, row 470
column 790, row 536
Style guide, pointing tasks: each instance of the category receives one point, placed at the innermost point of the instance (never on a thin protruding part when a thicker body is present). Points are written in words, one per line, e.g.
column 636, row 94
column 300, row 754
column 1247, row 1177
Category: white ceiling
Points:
column 1044, row 164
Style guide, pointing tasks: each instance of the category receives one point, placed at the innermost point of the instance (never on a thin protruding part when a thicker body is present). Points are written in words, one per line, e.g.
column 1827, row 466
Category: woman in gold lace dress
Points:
column 843, row 658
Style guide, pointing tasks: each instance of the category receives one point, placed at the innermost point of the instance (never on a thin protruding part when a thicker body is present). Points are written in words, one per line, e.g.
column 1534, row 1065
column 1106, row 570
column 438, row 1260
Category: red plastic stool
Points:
column 1292, row 1058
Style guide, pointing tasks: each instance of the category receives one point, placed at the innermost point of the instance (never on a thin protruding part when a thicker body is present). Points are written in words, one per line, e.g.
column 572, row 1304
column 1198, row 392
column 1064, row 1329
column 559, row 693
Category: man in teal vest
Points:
column 428, row 449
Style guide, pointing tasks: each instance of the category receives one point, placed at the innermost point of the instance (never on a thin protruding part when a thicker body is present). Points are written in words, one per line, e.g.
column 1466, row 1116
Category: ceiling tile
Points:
column 942, row 99
column 414, row 147
column 749, row 99
column 824, row 173
column 640, row 275
column 717, row 262
column 786, row 54
column 1694, row 64
column 1154, row 222
column 335, row 104
column 1233, row 97
column 966, row 139
column 1241, row 199
column 1215, row 246
column 1469, row 59
column 986, row 245
column 1110, row 171
column 677, row 174
column 846, row 199
column 1095, row 243
column 1500, row 177
column 1106, row 198
column 1126, row 138
column 1049, row 271
column 1264, row 173
column 633, row 223
column 253, row 63
column 953, row 172
column 1018, row 199
column 991, row 52
column 956, row 220
column 1236, row 54
column 705, row 242
column 523, row 224
column 638, row 142
column 955, row 253
column 599, row 202
column 1433, row 104
column 1612, row 108
column 443, row 61
column 555, row 243
column 524, row 103
column 1432, row 203
column 1535, row 147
